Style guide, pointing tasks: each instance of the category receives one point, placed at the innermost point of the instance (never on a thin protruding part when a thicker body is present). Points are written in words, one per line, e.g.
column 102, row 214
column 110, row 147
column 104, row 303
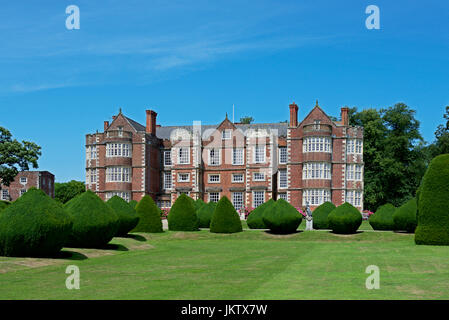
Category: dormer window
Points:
column 226, row 134
column 316, row 125
column 120, row 131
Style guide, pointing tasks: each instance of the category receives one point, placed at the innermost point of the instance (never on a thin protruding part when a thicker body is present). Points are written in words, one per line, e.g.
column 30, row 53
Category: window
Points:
column 120, row 131
column 354, row 197
column 259, row 154
column 316, row 170
column 163, row 203
column 167, row 158
column 316, row 125
column 237, row 156
column 354, row 172
column 122, row 194
column 354, row 146
column 22, row 191
column 118, row 150
column 214, row 157
column 226, row 134
column 183, row 156
column 283, row 155
column 214, row 178
column 5, row 194
column 167, row 180
column 258, row 198
column 315, row 197
column 237, row 177
column 259, row 176
column 118, row 174
column 317, row 144
column 92, row 173
column 237, row 200
column 283, row 179
column 214, row 196
column 23, row 180
column 91, row 152
column 183, row 177
column 282, row 196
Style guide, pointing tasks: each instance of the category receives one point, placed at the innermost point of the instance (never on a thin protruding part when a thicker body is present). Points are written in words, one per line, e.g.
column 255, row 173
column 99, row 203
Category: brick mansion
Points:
column 315, row 160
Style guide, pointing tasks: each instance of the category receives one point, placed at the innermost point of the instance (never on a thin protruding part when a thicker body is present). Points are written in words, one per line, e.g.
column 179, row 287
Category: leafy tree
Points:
column 441, row 144
column 66, row 191
column 15, row 156
column 246, row 120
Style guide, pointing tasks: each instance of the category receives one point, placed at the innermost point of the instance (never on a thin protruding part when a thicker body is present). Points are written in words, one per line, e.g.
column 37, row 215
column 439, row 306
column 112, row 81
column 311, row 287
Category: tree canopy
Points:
column 246, row 120
column 65, row 191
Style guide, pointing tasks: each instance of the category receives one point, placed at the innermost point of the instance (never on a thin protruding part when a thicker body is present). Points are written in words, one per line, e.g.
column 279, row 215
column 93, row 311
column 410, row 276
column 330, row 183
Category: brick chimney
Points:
column 151, row 122
column 345, row 116
column 293, row 115
column 106, row 125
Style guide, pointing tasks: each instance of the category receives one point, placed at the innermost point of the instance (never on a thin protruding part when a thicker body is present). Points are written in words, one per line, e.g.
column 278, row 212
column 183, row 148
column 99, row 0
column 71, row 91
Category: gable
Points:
column 317, row 114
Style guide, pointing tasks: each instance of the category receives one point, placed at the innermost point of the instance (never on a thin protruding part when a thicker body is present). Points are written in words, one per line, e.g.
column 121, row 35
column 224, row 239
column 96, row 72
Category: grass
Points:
column 248, row 265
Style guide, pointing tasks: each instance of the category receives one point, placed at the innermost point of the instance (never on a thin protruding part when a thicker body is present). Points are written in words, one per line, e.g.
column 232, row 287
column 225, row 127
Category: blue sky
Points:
column 192, row 60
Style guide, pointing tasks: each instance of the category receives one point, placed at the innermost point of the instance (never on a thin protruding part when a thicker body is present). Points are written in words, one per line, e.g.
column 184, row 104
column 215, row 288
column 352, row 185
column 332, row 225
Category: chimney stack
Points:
column 106, row 125
column 151, row 122
column 345, row 116
column 293, row 115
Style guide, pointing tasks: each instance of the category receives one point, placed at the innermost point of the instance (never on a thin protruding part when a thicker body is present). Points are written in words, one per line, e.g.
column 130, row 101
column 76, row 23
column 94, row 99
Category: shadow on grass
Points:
column 283, row 234
column 113, row 246
column 137, row 237
column 70, row 255
column 346, row 234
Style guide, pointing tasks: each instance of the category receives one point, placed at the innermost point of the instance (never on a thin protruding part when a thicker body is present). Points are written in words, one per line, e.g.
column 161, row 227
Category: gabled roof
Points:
column 137, row 126
column 322, row 111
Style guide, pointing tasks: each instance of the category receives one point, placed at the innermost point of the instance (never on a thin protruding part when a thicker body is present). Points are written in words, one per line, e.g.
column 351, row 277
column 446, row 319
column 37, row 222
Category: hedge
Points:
column 205, row 214
column 182, row 216
column 382, row 219
column 405, row 217
column 149, row 216
column 433, row 204
column 127, row 216
column 345, row 219
column 255, row 218
column 94, row 222
column 282, row 217
column 320, row 215
column 133, row 203
column 33, row 225
column 198, row 204
column 4, row 204
column 225, row 219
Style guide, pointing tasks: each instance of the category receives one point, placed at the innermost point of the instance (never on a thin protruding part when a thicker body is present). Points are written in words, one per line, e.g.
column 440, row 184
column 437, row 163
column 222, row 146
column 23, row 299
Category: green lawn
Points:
column 248, row 265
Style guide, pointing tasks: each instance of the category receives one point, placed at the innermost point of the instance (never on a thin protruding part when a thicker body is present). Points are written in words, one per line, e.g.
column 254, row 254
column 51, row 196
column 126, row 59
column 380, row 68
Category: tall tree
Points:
column 441, row 144
column 15, row 156
column 65, row 191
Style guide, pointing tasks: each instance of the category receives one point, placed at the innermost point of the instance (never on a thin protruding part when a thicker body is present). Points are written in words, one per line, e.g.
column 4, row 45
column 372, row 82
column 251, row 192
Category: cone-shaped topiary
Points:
column 198, row 204
column 405, row 217
column 4, row 204
column 127, row 216
column 433, row 204
column 133, row 203
column 320, row 215
column 94, row 222
column 282, row 217
column 149, row 216
column 34, row 225
column 255, row 218
column 205, row 214
column 182, row 216
column 382, row 219
column 225, row 219
column 345, row 219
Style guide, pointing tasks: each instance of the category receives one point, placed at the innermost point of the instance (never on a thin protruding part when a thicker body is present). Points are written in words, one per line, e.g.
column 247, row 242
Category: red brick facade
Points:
column 26, row 179
column 313, row 161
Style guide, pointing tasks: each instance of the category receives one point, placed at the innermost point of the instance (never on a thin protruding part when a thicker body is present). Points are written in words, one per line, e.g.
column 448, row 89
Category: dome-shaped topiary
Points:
column 149, row 216
column 34, row 225
column 405, row 217
column 127, row 216
column 345, row 219
column 282, row 217
column 182, row 216
column 255, row 218
column 225, row 219
column 198, row 204
column 382, row 219
column 94, row 222
column 320, row 215
column 205, row 214
column 433, row 204
column 133, row 203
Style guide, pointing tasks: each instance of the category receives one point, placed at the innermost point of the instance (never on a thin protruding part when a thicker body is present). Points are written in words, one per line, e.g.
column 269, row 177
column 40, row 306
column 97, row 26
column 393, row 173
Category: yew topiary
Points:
column 127, row 216
column 320, row 215
column 382, row 219
column 345, row 219
column 149, row 216
column 225, row 219
column 182, row 216
column 282, row 217
column 133, row 203
column 405, row 217
column 205, row 214
column 255, row 218
column 4, row 204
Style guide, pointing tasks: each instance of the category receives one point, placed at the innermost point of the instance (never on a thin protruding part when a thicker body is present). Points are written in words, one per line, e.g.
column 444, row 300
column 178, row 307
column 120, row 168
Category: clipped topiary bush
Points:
column 182, row 216
column 320, row 215
column 205, row 214
column 255, row 218
column 149, row 216
column 282, row 217
column 405, row 217
column 382, row 219
column 127, row 216
column 198, row 204
column 133, row 203
column 345, row 219
column 4, row 204
column 225, row 219
column 433, row 204
column 94, row 222
column 34, row 225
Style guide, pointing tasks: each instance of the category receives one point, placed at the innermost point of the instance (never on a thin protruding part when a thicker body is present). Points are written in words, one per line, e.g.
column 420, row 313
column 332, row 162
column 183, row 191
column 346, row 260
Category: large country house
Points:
column 311, row 161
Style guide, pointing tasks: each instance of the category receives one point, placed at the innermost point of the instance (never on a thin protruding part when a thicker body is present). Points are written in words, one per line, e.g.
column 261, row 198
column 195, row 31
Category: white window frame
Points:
column 354, row 146
column 183, row 180
column 118, row 174
column 354, row 172
column 23, row 180
column 317, row 170
column 22, row 192
column 257, row 154
column 317, row 144
column 283, row 155
column 238, row 181
column 238, row 200
column 118, row 150
column 282, row 179
column 167, row 158
column 236, row 156
column 168, row 183
column 125, row 195
column 354, row 197
column 212, row 196
column 282, row 195
column 5, row 194
column 255, row 174
column 215, row 159
column 315, row 197
column 226, row 134
column 181, row 155
column 255, row 193
column 211, row 175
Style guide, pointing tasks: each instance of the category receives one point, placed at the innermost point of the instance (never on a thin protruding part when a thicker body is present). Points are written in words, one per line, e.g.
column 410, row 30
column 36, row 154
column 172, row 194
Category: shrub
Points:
column 198, row 204
column 34, row 225
column 4, row 204
column 205, row 214
column 182, row 216
column 382, row 219
column 320, row 215
column 345, row 219
column 405, row 216
column 127, row 216
column 133, row 203
column 225, row 219
column 94, row 222
column 255, row 218
column 433, row 204
column 281, row 217
column 149, row 216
